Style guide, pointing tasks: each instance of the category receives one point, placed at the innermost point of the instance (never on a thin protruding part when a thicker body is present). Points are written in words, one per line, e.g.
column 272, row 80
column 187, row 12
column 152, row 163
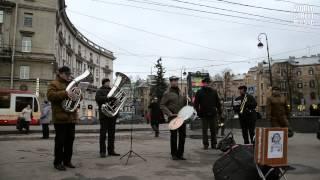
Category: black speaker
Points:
column 237, row 164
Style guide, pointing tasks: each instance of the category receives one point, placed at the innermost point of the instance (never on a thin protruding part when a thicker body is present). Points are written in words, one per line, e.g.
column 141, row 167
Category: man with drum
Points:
column 208, row 106
column 171, row 103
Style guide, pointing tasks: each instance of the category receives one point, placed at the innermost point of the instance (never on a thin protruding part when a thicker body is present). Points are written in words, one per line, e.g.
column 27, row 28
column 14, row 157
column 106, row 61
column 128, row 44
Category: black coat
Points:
column 249, row 107
column 207, row 102
column 155, row 112
column 101, row 98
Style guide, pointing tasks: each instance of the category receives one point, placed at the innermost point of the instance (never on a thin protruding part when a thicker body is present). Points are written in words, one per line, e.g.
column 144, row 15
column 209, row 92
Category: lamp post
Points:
column 183, row 73
column 288, row 80
column 260, row 45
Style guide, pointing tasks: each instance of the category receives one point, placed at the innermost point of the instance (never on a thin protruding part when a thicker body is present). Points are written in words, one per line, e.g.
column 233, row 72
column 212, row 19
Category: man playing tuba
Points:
column 107, row 124
column 64, row 121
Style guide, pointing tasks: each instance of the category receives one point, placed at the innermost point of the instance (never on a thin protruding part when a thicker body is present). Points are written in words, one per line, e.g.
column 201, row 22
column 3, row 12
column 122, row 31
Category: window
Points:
column 1, row 16
column 5, row 100
column 91, row 56
column 312, row 84
column 298, row 73
column 299, row 85
column 97, row 72
column 261, row 86
column 24, row 72
column 26, row 44
column 22, row 102
column 27, row 21
column 311, row 71
column 79, row 50
column 283, row 85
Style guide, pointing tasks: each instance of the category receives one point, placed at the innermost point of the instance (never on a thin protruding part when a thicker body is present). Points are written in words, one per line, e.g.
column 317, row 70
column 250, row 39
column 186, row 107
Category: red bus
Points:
column 13, row 101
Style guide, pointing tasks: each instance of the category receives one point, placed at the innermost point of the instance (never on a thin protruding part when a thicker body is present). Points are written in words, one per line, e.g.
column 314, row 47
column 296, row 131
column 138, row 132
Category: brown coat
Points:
column 277, row 111
column 172, row 102
column 56, row 94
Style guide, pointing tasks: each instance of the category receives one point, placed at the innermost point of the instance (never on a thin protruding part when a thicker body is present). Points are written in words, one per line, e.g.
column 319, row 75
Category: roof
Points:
column 239, row 77
column 301, row 61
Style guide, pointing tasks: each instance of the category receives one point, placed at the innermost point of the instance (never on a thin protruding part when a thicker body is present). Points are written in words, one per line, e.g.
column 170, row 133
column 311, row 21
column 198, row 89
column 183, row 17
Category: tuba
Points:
column 71, row 104
column 116, row 97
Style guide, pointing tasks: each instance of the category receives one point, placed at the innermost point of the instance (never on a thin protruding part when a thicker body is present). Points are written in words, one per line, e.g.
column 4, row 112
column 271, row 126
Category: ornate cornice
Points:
column 79, row 36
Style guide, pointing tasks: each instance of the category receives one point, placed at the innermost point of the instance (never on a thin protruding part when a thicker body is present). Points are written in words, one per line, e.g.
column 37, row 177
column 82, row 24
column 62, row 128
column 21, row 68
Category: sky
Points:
column 197, row 35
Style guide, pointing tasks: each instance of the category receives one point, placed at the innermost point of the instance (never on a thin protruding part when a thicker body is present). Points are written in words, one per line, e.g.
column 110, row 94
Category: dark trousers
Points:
column 107, row 125
column 45, row 131
column 63, row 147
column 177, row 150
column 155, row 126
column 209, row 122
column 248, row 124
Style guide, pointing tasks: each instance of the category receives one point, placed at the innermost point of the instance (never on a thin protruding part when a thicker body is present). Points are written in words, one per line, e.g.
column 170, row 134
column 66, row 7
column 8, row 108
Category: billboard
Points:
column 195, row 82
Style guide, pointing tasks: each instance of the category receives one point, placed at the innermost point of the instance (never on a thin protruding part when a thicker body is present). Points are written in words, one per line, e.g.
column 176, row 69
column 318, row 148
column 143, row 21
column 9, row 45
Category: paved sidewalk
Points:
column 32, row 159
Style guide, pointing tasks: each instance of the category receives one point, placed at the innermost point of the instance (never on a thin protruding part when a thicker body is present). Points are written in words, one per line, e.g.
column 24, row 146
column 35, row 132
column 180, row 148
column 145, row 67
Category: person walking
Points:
column 155, row 112
column 26, row 115
column 208, row 107
column 45, row 119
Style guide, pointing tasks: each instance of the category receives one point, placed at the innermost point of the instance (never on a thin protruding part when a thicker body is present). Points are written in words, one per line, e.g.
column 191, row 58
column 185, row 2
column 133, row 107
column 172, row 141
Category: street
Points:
column 31, row 158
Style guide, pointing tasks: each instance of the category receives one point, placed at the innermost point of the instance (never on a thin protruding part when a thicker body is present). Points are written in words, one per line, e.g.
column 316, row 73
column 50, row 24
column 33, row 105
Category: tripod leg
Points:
column 130, row 152
column 139, row 156
column 125, row 155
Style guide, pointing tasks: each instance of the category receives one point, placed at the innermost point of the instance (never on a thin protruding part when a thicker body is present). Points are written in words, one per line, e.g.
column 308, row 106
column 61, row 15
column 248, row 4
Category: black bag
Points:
column 290, row 132
column 237, row 164
column 226, row 143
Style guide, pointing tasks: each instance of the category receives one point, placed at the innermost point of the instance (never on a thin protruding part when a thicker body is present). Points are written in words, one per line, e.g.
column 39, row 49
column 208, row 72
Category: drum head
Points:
column 186, row 112
column 175, row 123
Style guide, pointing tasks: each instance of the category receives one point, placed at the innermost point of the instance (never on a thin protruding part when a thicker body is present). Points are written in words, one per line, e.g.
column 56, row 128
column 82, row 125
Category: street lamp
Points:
column 183, row 73
column 260, row 45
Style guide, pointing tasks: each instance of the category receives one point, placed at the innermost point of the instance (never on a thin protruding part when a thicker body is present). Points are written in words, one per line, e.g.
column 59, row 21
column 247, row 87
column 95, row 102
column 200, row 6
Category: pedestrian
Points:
column 26, row 115
column 208, row 107
column 171, row 103
column 45, row 119
column 247, row 114
column 155, row 113
column 107, row 124
column 64, row 121
column 277, row 109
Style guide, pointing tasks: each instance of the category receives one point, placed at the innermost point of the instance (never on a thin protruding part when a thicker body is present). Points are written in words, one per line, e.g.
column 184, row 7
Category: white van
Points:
column 13, row 101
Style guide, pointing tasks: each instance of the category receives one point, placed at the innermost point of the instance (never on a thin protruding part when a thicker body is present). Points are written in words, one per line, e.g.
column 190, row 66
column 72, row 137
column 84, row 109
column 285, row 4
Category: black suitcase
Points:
column 237, row 164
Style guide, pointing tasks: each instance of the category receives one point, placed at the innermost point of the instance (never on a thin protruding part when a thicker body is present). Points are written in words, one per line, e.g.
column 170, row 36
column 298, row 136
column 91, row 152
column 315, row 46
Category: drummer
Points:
column 171, row 103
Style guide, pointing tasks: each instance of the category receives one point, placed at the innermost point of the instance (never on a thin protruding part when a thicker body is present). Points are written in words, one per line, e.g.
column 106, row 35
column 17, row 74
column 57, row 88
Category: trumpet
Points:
column 243, row 104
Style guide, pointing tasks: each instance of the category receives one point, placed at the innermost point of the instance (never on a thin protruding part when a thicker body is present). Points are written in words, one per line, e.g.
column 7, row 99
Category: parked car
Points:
column 87, row 120
column 128, row 117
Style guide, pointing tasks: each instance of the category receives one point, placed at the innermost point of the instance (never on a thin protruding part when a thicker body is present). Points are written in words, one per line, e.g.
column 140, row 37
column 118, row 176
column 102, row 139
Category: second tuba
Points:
column 116, row 96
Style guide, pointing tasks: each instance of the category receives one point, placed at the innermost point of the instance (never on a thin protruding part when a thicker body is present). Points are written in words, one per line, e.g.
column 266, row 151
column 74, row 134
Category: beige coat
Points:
column 278, row 111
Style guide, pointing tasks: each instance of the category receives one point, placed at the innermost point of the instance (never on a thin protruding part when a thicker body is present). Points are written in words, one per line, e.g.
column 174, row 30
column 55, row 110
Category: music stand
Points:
column 131, row 152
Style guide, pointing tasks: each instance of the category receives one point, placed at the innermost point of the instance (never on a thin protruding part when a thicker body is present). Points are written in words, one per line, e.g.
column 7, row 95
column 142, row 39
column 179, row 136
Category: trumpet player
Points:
column 247, row 114
column 107, row 124
column 64, row 122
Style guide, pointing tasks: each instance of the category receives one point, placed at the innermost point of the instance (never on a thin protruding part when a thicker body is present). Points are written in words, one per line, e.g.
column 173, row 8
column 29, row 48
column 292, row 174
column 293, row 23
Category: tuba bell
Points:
column 71, row 104
column 116, row 97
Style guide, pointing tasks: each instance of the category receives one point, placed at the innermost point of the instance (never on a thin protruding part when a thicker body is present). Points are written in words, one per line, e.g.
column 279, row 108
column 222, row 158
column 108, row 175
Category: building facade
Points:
column 36, row 38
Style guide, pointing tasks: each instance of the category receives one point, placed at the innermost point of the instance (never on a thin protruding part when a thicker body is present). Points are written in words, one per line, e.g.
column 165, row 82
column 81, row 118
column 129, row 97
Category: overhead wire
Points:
column 291, row 24
column 203, row 17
